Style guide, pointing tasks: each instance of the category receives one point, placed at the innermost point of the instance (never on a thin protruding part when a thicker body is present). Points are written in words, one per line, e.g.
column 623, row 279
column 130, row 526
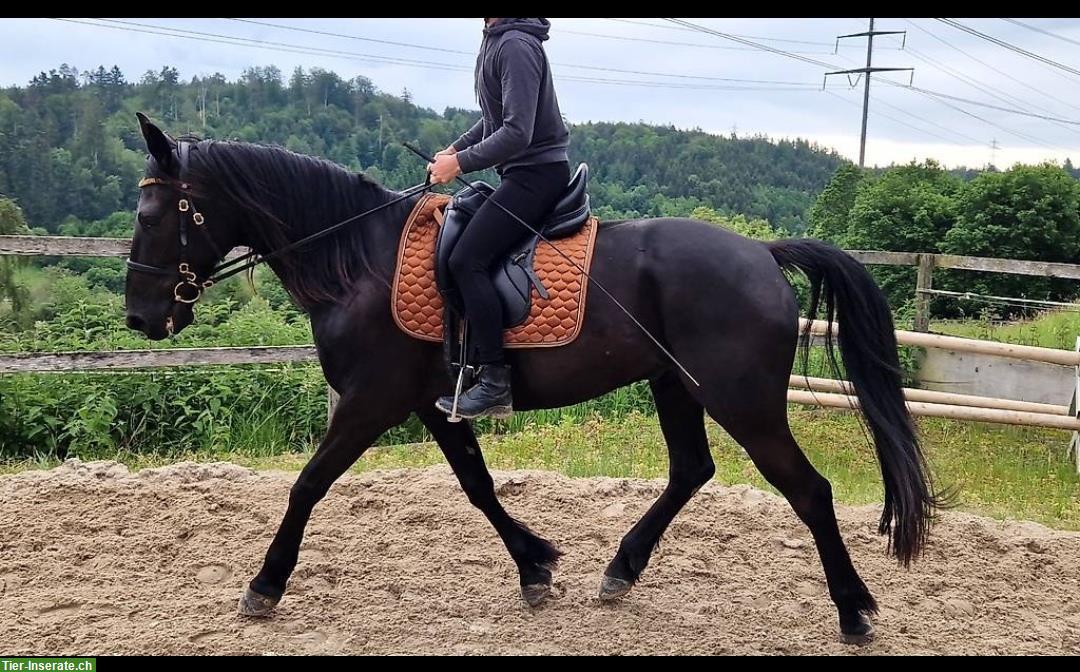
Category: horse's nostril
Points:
column 135, row 322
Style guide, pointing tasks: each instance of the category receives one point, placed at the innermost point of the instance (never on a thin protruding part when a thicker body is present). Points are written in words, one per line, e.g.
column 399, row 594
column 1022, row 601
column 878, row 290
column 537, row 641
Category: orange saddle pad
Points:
column 417, row 305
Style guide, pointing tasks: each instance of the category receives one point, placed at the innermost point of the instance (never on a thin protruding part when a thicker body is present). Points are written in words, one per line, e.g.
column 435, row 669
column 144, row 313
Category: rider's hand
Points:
column 444, row 169
column 449, row 150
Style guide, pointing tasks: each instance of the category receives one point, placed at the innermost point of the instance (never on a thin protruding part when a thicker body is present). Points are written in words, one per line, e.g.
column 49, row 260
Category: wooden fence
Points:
column 821, row 392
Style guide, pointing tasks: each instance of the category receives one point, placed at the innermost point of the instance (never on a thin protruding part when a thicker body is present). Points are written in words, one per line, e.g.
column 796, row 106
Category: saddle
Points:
column 542, row 293
column 515, row 277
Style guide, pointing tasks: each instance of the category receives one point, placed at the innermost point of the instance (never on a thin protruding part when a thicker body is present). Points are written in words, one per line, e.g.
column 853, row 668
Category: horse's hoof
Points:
column 535, row 593
column 254, row 604
column 859, row 633
column 612, row 588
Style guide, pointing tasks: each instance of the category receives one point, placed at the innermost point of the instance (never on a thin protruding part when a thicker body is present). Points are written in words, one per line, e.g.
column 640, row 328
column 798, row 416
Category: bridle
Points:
column 189, row 289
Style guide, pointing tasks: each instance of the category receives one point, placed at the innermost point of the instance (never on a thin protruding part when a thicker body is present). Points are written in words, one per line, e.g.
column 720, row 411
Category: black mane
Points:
column 288, row 196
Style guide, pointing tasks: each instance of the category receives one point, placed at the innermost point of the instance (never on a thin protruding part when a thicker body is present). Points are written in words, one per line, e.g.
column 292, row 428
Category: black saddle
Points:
column 514, row 277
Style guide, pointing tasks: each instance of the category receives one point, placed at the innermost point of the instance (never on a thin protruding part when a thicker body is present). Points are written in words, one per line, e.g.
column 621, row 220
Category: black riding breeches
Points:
column 530, row 192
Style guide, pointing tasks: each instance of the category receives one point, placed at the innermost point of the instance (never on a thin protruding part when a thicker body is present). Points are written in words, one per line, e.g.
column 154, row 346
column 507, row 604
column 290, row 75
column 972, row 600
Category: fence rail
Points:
column 64, row 246
column 54, row 362
column 926, row 263
column 119, row 247
column 1047, row 269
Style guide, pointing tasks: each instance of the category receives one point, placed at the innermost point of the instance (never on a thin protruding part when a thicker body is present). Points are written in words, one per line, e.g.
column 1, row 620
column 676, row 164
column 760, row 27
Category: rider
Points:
column 521, row 133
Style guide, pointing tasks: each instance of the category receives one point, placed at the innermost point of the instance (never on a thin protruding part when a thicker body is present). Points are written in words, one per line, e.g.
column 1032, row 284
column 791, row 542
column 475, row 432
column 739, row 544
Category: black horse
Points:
column 718, row 301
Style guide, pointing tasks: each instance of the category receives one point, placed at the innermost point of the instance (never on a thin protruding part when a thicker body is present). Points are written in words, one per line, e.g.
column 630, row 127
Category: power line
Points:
column 986, row 88
column 1044, row 32
column 627, row 38
column 740, row 40
column 680, row 76
column 691, row 26
column 748, row 37
column 649, row 23
column 218, row 37
column 995, row 69
column 280, row 48
column 694, row 87
column 1010, row 110
column 985, row 121
column 1011, row 100
column 898, row 121
column 455, row 51
column 1010, row 47
column 318, row 51
column 703, row 29
column 880, row 101
column 425, row 47
column 937, row 96
column 795, row 56
column 960, row 77
column 567, row 31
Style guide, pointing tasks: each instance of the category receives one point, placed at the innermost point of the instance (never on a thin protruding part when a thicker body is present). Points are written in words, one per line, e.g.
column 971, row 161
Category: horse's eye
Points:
column 148, row 221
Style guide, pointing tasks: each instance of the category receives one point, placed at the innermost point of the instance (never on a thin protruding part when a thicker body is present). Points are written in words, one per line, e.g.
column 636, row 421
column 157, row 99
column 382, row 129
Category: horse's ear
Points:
column 158, row 143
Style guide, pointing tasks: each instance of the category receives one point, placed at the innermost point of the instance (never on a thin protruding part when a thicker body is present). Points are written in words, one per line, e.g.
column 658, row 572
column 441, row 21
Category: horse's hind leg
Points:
column 682, row 420
column 757, row 419
column 742, row 352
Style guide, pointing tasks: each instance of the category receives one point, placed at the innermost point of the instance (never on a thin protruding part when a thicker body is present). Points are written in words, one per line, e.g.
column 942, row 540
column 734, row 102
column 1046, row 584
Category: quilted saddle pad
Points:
column 417, row 305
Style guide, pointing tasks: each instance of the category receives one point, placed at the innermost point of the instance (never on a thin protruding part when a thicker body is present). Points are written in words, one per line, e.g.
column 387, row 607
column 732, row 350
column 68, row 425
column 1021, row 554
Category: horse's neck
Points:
column 380, row 235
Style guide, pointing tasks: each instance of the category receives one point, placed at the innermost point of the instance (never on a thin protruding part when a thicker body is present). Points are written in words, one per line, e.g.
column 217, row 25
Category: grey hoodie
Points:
column 520, row 124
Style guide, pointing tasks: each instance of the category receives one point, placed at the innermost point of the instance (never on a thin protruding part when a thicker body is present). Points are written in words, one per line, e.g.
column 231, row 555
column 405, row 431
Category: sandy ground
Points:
column 94, row 560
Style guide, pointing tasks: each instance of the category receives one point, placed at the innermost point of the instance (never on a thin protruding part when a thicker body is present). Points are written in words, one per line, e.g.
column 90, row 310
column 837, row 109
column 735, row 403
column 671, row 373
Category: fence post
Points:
column 923, row 281
column 1074, row 411
column 332, row 398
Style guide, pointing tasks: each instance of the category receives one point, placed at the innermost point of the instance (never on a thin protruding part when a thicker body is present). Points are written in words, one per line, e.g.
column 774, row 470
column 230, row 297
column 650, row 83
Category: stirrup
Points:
column 454, row 417
column 462, row 365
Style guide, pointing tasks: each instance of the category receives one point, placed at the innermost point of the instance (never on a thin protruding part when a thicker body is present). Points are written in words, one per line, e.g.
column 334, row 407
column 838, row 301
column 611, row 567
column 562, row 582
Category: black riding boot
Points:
column 490, row 396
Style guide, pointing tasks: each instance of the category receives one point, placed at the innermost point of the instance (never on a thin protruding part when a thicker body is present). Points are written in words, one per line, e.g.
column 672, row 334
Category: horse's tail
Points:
column 869, row 353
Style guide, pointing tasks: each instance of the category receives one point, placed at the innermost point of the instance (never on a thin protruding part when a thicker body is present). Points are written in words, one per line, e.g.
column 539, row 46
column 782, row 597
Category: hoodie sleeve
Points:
column 521, row 68
column 471, row 136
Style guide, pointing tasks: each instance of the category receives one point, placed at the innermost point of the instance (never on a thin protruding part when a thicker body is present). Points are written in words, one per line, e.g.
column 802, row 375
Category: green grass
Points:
column 1004, row 472
column 1057, row 329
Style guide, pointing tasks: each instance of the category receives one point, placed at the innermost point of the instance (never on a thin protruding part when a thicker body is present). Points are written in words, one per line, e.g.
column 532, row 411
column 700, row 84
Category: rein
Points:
column 190, row 289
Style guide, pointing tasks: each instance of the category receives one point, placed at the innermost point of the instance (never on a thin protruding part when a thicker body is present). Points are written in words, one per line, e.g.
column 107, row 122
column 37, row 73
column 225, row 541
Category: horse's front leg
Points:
column 535, row 557
column 357, row 422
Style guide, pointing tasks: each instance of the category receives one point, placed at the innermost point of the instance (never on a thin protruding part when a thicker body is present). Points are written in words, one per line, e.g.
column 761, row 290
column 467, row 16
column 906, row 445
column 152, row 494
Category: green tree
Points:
column 830, row 216
column 758, row 229
column 907, row 209
column 12, row 223
column 1026, row 212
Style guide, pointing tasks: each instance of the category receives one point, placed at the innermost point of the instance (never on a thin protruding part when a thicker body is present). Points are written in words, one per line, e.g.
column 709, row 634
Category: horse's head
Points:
column 181, row 232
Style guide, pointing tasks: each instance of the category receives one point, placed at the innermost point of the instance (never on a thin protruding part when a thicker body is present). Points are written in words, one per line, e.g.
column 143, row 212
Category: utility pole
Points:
column 869, row 35
column 994, row 147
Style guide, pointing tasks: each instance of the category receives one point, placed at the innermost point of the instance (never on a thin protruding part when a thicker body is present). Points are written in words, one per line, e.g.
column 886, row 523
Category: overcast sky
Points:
column 653, row 70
